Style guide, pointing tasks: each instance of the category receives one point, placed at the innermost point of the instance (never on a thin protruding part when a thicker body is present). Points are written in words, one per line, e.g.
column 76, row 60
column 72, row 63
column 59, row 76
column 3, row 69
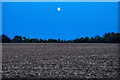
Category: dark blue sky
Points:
column 75, row 20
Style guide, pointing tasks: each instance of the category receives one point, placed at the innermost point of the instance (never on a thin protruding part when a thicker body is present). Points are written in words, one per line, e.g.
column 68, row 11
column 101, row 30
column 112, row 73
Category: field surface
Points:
column 59, row 60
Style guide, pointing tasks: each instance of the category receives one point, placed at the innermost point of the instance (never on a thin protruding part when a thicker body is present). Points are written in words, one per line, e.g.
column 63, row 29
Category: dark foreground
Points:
column 50, row 60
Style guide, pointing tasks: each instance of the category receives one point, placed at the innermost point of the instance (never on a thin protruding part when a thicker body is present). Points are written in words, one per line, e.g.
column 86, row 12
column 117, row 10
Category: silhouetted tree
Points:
column 86, row 39
column 24, row 39
column 107, row 38
column 59, row 41
column 17, row 39
column 91, row 40
column 97, row 39
column 5, row 39
column 0, row 38
column 41, row 41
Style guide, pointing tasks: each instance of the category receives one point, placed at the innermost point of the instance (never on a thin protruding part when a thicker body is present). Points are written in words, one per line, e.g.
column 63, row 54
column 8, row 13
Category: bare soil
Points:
column 59, row 60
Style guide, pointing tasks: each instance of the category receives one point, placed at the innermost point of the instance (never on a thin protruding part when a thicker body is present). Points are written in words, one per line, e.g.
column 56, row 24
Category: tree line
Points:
column 106, row 38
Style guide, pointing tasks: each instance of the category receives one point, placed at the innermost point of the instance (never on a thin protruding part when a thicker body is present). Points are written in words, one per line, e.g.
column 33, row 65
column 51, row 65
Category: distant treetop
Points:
column 106, row 38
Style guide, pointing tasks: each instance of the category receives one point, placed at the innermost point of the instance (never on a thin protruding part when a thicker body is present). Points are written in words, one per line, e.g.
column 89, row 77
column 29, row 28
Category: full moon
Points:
column 58, row 8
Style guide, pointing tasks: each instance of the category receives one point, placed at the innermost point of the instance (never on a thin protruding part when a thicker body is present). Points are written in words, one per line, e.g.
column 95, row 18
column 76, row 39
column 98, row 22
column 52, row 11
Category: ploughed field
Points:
column 59, row 60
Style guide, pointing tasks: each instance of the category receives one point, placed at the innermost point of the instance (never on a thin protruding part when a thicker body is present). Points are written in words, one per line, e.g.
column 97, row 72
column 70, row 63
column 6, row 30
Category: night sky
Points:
column 74, row 20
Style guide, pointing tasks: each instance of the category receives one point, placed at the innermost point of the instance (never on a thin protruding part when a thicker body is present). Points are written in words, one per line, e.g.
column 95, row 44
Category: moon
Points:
column 58, row 9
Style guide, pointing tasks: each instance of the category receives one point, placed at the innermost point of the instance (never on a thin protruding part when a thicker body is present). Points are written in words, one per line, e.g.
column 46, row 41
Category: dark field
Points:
column 54, row 60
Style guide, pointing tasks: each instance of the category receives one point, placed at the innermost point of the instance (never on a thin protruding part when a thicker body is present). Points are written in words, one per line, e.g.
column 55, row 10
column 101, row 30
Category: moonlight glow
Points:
column 58, row 9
